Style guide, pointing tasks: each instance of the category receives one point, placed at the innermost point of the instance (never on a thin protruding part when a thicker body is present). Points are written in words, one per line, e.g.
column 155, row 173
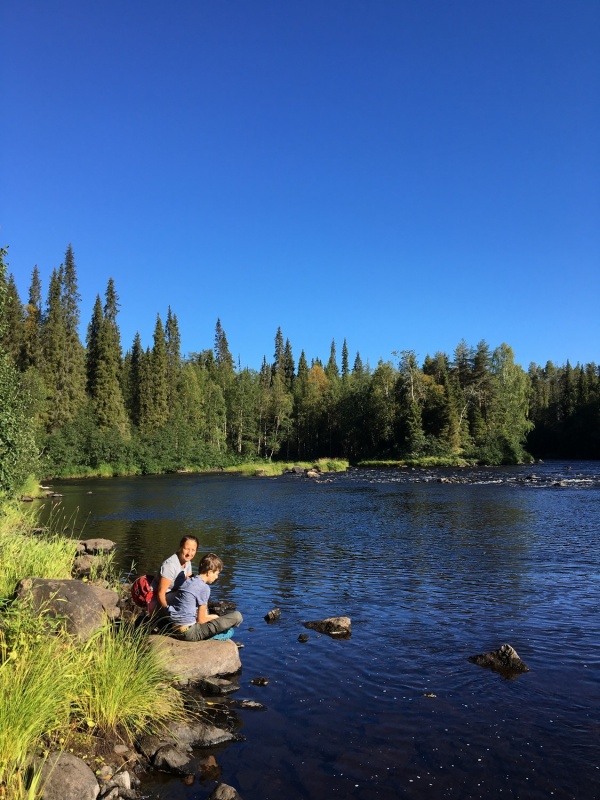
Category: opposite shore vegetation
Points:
column 69, row 409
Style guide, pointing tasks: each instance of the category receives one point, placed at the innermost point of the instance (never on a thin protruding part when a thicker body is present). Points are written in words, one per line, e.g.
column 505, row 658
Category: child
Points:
column 188, row 609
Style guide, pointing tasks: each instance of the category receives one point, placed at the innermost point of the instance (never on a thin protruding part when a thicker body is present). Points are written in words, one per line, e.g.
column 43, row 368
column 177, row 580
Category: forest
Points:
column 69, row 407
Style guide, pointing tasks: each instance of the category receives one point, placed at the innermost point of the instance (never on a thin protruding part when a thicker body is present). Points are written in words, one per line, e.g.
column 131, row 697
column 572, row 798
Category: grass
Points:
column 129, row 692
column 421, row 463
column 53, row 689
column 274, row 468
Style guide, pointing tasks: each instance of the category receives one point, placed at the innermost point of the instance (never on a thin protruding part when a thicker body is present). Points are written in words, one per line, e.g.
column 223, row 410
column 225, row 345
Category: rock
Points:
column 197, row 733
column 297, row 470
column 217, row 687
column 26, row 498
column 304, row 637
column 312, row 473
column 220, row 607
column 336, row 627
column 174, row 759
column 66, row 777
column 97, row 547
column 191, row 661
column 259, row 681
column 209, row 769
column 505, row 660
column 250, row 704
column 273, row 615
column 224, row 792
column 83, row 607
column 85, row 564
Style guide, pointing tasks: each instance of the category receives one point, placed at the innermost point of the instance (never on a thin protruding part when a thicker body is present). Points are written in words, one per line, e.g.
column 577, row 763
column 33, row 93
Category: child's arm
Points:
column 204, row 616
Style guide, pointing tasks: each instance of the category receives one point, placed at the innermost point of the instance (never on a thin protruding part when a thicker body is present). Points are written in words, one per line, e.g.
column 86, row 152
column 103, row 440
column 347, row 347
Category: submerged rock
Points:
column 336, row 627
column 504, row 660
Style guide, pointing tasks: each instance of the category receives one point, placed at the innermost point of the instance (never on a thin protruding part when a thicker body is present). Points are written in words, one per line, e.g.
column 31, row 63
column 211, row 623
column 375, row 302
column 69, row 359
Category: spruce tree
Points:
column 288, row 365
column 32, row 326
column 104, row 364
column 13, row 337
column 173, row 345
column 331, row 370
column 345, row 363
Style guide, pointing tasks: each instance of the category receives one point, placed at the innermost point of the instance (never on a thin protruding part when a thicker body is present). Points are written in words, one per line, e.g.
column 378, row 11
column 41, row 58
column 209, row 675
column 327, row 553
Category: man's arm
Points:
column 204, row 616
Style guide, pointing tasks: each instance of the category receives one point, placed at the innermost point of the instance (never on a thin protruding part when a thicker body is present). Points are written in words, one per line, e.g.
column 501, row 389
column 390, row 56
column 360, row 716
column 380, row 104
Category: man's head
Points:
column 210, row 566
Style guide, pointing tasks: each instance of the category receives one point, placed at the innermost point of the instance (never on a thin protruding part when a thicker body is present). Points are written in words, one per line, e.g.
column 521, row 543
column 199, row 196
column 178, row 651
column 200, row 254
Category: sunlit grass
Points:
column 37, row 675
column 422, row 462
column 129, row 690
column 274, row 468
column 23, row 555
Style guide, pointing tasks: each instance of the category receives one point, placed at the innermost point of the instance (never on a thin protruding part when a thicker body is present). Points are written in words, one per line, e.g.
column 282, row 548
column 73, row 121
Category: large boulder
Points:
column 83, row 606
column 189, row 662
column 66, row 777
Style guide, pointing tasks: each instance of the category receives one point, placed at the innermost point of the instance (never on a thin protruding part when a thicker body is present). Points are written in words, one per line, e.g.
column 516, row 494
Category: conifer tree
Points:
column 133, row 380
column 331, row 370
column 278, row 356
column 63, row 354
column 173, row 345
column 32, row 333
column 158, row 368
column 288, row 365
column 104, row 364
column 345, row 363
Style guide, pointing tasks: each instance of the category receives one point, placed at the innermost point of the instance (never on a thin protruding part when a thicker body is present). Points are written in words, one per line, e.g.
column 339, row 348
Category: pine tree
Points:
column 331, row 370
column 64, row 370
column 173, row 345
column 104, row 364
column 158, row 369
column 278, row 356
column 288, row 365
column 32, row 326
column 345, row 363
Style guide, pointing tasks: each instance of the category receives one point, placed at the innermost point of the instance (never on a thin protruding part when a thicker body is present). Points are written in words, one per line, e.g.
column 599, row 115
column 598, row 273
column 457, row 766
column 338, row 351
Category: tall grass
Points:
column 122, row 688
column 23, row 555
column 37, row 674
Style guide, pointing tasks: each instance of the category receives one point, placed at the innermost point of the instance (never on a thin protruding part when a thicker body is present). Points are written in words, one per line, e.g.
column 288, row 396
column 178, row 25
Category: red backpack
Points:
column 142, row 591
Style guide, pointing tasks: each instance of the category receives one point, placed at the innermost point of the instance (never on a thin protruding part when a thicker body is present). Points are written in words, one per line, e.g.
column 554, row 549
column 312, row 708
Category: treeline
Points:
column 149, row 410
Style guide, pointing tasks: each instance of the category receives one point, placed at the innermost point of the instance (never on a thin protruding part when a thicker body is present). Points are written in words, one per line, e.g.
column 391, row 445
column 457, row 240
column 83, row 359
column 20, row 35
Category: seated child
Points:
column 188, row 609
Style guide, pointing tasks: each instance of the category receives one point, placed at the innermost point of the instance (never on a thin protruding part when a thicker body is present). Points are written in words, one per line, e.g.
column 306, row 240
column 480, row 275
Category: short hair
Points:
column 189, row 539
column 209, row 562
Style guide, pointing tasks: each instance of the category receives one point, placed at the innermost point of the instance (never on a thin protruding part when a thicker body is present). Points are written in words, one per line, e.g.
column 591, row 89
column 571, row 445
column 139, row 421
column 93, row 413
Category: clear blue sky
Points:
column 400, row 173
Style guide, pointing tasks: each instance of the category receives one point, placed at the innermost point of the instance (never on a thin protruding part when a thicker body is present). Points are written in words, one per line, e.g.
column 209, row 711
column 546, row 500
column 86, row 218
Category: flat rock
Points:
column 189, row 662
column 96, row 547
column 83, row 606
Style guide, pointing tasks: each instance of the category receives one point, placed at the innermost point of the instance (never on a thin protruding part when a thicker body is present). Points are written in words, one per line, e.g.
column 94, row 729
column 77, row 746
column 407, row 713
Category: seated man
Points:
column 189, row 606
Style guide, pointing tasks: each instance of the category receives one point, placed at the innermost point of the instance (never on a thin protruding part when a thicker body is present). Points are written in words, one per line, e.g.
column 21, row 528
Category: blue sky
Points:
column 400, row 173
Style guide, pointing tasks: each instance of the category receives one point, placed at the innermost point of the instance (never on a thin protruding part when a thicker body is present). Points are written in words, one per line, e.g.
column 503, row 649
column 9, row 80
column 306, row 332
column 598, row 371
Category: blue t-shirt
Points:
column 185, row 603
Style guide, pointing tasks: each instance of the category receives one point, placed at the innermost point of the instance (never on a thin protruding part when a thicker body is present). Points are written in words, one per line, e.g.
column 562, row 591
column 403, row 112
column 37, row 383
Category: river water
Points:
column 432, row 567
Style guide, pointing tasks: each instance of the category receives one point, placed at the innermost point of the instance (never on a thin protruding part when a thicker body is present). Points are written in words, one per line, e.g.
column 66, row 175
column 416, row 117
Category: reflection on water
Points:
column 431, row 572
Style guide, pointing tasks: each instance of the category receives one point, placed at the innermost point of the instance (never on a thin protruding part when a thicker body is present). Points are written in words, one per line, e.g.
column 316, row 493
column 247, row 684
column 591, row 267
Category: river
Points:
column 432, row 567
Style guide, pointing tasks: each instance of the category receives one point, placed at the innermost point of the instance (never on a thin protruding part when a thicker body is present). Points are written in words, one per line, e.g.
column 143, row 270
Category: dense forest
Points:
column 81, row 407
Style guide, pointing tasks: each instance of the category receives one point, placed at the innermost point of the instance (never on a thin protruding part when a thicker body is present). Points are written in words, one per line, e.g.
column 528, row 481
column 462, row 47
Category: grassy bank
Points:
column 110, row 686
column 243, row 468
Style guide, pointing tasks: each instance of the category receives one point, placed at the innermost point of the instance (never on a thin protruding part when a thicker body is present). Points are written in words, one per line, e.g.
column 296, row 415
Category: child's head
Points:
column 210, row 564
